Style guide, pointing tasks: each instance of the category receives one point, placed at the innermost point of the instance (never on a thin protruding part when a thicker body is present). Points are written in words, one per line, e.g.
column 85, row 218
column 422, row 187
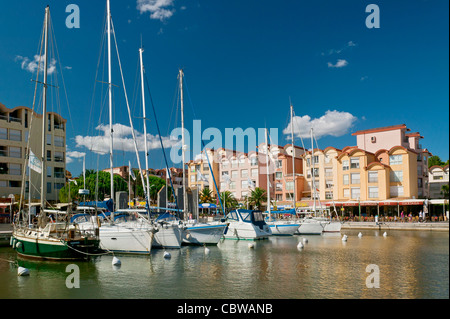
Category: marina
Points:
column 412, row 264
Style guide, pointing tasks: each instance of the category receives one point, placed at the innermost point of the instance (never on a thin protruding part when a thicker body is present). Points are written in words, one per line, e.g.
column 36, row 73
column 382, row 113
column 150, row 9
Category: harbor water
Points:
column 410, row 265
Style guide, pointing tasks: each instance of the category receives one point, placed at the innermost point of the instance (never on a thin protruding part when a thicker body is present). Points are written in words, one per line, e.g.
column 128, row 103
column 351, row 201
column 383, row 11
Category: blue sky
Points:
column 243, row 60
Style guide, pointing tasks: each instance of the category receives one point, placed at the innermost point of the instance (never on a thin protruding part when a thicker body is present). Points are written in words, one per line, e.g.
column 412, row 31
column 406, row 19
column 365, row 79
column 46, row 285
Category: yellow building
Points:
column 199, row 173
column 14, row 133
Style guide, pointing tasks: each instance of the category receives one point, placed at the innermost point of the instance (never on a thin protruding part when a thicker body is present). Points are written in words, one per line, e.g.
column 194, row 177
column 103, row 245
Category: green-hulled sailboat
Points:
column 48, row 239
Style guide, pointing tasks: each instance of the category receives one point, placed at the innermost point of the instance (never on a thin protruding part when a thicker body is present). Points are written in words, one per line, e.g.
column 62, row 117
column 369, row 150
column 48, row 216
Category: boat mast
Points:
column 183, row 147
column 293, row 156
column 44, row 115
column 313, row 193
column 268, row 181
column 108, row 18
column 141, row 50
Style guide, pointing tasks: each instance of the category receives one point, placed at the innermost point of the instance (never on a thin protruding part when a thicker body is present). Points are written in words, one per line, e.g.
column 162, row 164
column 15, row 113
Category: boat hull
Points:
column 310, row 228
column 126, row 240
column 168, row 236
column 203, row 234
column 332, row 227
column 283, row 229
column 246, row 231
column 53, row 249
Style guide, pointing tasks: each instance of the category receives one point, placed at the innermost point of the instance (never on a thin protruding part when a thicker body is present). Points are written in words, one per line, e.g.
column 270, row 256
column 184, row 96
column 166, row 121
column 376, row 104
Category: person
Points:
column 420, row 216
column 403, row 217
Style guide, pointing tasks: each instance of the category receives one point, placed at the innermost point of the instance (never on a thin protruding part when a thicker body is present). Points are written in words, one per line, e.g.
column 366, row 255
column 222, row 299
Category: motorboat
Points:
column 246, row 224
column 196, row 233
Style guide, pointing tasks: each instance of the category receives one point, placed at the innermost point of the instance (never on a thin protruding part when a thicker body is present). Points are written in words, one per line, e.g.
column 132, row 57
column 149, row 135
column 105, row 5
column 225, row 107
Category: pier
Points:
column 428, row 226
column 5, row 234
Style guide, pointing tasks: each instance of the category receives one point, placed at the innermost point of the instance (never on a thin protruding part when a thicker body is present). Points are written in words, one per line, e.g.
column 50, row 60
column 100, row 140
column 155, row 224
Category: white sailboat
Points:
column 194, row 232
column 283, row 227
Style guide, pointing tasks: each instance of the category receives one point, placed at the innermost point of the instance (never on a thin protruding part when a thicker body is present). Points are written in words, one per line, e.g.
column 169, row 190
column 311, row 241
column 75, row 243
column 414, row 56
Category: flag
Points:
column 227, row 179
column 250, row 183
column 131, row 171
column 34, row 163
column 73, row 180
column 201, row 177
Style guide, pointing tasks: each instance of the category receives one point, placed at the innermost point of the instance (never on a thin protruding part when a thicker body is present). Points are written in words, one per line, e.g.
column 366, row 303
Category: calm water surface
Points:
column 412, row 264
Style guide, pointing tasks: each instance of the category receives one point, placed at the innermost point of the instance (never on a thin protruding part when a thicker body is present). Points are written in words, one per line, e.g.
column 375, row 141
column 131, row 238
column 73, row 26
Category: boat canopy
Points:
column 108, row 205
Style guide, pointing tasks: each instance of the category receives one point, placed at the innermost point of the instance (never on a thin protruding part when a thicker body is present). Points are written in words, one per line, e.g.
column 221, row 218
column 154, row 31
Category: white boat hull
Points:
column 333, row 227
column 168, row 236
column 246, row 231
column 203, row 234
column 310, row 228
column 121, row 239
column 283, row 228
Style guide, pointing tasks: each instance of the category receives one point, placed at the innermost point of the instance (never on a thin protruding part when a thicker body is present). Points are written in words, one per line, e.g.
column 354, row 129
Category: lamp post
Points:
column 359, row 208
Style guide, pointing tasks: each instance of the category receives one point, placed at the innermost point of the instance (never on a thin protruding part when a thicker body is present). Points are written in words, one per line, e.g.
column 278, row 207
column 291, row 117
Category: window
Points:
column 328, row 172
column 316, row 159
column 234, row 163
column 234, row 174
column 49, row 188
column 373, row 192
column 15, row 135
column 279, row 197
column 278, row 175
column 3, row 184
column 279, row 187
column 289, row 186
column 419, row 183
column 244, row 194
column 254, row 161
column 3, row 133
column 328, row 195
column 356, row 193
column 355, row 177
column 59, row 157
column 15, row 169
column 328, row 184
column 225, row 164
column 345, row 179
column 49, row 139
column 345, row 166
column 244, row 173
column 396, row 176
column 373, row 177
column 396, row 191
column 254, row 172
column 205, row 167
column 419, row 170
column 49, row 171
column 244, row 184
column 278, row 163
column 395, row 160
column 192, row 178
column 49, row 156
column 58, row 186
column 308, row 162
column 15, row 152
column 354, row 162
column 242, row 162
column 316, row 172
column 233, row 185
column 327, row 159
column 346, row 192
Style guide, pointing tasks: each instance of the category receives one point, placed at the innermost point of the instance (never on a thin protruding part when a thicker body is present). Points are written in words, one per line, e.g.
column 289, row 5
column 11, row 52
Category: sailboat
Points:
column 134, row 234
column 194, row 232
column 283, row 227
column 49, row 240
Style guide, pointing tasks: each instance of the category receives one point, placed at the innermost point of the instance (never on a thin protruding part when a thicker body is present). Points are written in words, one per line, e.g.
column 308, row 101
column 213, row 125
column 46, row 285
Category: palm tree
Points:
column 206, row 196
column 228, row 199
column 257, row 197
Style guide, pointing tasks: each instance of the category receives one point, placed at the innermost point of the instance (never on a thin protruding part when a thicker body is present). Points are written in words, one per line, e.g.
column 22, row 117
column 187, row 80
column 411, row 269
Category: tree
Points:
column 228, row 199
column 104, row 187
column 445, row 190
column 206, row 196
column 257, row 197
column 436, row 160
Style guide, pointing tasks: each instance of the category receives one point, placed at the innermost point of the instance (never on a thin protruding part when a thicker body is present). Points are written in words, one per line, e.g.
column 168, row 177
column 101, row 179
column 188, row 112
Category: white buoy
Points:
column 300, row 245
column 344, row 238
column 206, row 250
column 23, row 272
column 251, row 245
column 167, row 255
column 116, row 261
column 305, row 240
column 385, row 234
column 360, row 235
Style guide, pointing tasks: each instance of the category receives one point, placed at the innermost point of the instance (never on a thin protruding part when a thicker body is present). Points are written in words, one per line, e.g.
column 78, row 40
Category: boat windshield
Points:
column 258, row 216
column 233, row 215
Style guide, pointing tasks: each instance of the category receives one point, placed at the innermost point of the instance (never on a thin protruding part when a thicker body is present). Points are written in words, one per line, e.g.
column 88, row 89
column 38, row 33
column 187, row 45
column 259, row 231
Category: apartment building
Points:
column 438, row 177
column 15, row 130
column 384, row 138
column 199, row 173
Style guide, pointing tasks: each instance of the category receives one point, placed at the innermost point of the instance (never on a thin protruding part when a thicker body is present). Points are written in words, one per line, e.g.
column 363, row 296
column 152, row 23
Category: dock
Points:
column 428, row 226
column 5, row 234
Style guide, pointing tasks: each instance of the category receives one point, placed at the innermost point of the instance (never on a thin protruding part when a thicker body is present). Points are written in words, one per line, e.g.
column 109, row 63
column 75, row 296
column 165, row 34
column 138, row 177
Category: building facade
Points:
column 438, row 177
column 15, row 130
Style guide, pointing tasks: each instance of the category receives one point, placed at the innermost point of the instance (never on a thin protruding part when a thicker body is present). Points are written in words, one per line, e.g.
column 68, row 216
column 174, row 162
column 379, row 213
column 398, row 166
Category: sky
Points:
column 244, row 62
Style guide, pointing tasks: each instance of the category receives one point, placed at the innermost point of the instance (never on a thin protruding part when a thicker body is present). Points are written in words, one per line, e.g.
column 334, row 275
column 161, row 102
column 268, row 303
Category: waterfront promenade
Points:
column 428, row 226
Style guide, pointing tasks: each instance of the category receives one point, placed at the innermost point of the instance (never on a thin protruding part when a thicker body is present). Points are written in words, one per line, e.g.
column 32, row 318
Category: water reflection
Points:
column 411, row 264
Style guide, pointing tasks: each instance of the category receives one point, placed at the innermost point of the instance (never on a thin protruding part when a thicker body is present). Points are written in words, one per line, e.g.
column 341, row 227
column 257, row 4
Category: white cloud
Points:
column 159, row 9
column 122, row 140
column 32, row 65
column 75, row 154
column 349, row 44
column 333, row 123
column 339, row 64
